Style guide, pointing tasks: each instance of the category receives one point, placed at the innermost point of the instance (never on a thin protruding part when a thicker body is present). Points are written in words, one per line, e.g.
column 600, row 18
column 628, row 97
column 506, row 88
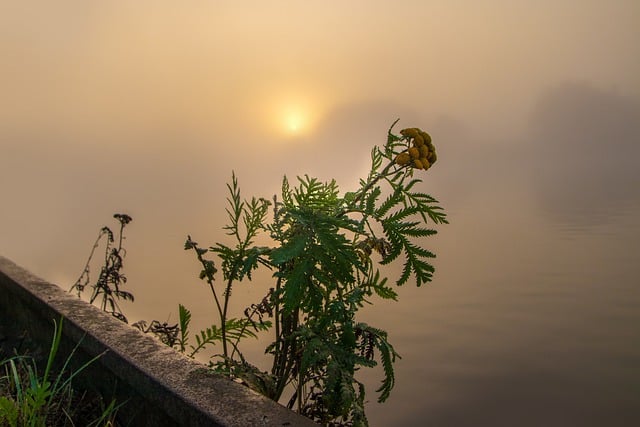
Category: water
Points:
column 529, row 322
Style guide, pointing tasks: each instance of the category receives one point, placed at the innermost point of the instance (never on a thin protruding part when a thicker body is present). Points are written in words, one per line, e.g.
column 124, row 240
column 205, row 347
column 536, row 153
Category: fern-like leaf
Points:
column 184, row 320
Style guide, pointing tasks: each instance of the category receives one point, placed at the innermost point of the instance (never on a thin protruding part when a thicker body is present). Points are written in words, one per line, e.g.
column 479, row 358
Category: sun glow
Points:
column 294, row 122
column 293, row 115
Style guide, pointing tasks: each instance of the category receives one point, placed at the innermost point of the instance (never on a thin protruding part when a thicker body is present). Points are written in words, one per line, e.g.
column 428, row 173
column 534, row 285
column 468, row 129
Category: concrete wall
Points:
column 161, row 387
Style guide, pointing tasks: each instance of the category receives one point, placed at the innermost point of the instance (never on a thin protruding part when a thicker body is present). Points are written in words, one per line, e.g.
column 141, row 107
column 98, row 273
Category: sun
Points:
column 293, row 116
column 294, row 122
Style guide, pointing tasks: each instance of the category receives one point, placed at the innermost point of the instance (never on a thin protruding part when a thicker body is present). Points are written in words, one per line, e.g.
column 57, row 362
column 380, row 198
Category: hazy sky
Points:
column 132, row 70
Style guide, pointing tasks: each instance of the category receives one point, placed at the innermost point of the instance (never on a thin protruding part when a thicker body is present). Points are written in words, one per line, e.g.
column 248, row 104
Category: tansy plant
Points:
column 325, row 255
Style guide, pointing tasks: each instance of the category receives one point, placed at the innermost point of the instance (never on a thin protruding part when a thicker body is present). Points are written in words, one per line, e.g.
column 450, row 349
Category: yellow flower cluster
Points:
column 422, row 153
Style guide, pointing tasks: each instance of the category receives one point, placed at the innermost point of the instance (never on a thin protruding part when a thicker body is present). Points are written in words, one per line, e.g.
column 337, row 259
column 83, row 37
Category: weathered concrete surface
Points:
column 161, row 386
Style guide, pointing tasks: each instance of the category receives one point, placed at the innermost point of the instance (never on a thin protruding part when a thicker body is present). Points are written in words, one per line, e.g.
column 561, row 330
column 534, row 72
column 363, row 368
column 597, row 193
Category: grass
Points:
column 29, row 397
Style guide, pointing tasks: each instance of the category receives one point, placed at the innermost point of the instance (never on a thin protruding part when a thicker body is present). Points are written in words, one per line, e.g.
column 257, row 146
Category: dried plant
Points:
column 108, row 287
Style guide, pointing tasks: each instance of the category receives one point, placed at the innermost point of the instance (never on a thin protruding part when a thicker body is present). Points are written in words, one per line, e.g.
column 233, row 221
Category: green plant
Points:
column 322, row 264
column 108, row 287
column 30, row 399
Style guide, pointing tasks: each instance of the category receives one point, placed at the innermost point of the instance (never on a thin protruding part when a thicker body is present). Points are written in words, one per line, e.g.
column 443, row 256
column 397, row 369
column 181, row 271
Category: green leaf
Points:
column 379, row 286
column 371, row 338
column 292, row 249
column 391, row 138
column 184, row 319
column 372, row 198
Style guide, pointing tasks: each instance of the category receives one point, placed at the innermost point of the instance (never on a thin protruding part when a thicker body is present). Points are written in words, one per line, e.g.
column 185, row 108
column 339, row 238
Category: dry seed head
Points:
column 403, row 158
column 414, row 152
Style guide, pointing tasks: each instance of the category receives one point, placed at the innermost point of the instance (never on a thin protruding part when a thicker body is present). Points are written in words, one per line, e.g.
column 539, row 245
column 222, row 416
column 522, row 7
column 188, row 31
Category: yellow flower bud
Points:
column 425, row 163
column 403, row 158
column 432, row 157
column 424, row 151
column 418, row 141
column 426, row 137
column 414, row 152
column 410, row 132
column 429, row 145
column 417, row 164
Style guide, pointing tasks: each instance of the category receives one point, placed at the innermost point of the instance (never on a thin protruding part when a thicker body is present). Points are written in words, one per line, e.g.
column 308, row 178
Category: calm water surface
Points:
column 529, row 322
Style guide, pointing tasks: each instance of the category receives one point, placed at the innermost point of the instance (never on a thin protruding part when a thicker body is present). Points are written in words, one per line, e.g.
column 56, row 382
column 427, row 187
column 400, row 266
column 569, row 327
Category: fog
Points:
column 147, row 107
column 585, row 142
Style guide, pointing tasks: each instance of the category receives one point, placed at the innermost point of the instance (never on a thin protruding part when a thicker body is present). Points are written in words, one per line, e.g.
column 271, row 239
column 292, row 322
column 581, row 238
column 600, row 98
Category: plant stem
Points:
column 276, row 305
column 224, row 319
column 363, row 191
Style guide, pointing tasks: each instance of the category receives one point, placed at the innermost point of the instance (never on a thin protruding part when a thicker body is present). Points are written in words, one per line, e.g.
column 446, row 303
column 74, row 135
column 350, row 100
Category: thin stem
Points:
column 218, row 306
column 300, row 386
column 285, row 360
column 276, row 305
column 120, row 237
column 86, row 266
column 373, row 181
column 244, row 328
column 224, row 318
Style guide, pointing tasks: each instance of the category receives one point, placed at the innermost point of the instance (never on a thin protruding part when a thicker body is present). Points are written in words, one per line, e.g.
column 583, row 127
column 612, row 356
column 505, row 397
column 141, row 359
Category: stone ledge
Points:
column 161, row 386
